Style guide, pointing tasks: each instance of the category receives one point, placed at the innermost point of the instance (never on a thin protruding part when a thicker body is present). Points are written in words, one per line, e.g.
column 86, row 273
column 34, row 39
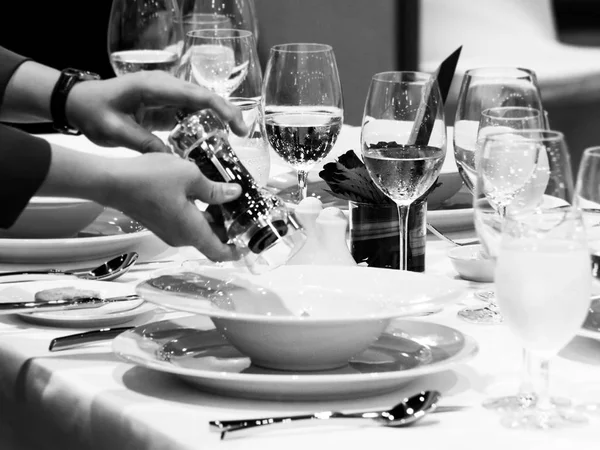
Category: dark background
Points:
column 72, row 33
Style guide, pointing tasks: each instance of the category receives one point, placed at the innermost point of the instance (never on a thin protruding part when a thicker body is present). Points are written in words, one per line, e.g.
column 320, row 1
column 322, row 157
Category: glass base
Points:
column 485, row 315
column 486, row 295
column 516, row 403
column 544, row 418
column 510, row 402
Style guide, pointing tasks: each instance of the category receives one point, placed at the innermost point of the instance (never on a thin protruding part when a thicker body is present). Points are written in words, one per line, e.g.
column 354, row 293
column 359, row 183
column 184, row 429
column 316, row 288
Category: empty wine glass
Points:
column 588, row 199
column 543, row 285
column 143, row 35
column 217, row 59
column 303, row 106
column 485, row 88
column 403, row 165
column 240, row 14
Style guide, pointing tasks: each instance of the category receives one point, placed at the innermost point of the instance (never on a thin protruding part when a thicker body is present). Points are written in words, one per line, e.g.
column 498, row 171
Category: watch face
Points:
column 81, row 75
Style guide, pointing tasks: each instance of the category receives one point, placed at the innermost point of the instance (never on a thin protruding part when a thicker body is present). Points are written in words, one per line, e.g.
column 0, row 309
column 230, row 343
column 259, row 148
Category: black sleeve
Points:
column 24, row 159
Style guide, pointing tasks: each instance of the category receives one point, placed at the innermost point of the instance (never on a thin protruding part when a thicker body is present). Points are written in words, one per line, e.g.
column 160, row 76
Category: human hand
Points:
column 159, row 191
column 110, row 112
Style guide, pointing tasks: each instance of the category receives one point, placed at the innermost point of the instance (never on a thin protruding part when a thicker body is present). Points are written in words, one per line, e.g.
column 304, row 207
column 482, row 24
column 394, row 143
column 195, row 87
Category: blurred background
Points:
column 559, row 39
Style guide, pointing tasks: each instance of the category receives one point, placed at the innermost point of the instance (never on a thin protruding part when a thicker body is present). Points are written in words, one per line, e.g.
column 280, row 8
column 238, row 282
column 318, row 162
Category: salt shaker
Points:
column 332, row 226
column 258, row 223
column 307, row 212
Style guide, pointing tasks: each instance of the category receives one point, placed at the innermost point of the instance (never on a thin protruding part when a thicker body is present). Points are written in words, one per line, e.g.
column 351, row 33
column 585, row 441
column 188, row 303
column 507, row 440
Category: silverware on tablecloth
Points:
column 107, row 271
column 437, row 233
column 87, row 337
column 64, row 305
column 405, row 413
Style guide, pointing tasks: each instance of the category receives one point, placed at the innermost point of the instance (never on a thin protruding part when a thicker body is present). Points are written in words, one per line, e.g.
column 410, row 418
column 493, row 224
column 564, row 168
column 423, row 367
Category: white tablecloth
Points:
column 88, row 399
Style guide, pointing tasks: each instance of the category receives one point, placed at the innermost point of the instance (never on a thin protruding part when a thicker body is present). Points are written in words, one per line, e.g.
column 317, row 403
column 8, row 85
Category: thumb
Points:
column 137, row 138
column 213, row 192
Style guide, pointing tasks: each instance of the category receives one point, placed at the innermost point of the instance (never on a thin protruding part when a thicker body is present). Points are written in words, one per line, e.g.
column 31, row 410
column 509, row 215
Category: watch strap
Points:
column 58, row 100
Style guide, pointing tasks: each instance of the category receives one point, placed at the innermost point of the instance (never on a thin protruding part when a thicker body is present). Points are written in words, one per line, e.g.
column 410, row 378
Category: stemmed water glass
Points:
column 143, row 35
column 518, row 172
column 543, row 285
column 303, row 106
column 401, row 167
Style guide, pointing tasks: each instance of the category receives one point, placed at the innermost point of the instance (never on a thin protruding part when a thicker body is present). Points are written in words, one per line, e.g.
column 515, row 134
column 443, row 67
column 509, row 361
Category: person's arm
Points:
column 24, row 163
column 25, row 89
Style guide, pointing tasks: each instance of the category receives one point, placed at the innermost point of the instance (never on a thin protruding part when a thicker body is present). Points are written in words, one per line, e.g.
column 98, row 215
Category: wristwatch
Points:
column 58, row 101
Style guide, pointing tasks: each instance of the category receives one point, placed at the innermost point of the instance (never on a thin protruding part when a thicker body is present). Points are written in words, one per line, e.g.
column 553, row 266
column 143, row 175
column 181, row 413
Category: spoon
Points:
column 107, row 271
column 405, row 413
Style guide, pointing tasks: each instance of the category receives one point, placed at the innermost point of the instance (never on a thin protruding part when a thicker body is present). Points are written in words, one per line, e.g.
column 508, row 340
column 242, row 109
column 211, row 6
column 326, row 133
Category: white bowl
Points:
column 53, row 218
column 299, row 317
column 471, row 264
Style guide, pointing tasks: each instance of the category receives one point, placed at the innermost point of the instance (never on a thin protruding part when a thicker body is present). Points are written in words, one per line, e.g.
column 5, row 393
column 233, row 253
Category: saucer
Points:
column 111, row 234
column 204, row 359
column 106, row 315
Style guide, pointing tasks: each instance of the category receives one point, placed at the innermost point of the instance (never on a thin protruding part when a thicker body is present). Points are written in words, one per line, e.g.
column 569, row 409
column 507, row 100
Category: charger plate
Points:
column 203, row 358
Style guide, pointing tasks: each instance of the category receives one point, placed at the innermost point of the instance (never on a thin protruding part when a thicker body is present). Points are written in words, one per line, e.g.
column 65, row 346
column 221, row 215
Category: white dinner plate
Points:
column 111, row 234
column 107, row 315
column 204, row 359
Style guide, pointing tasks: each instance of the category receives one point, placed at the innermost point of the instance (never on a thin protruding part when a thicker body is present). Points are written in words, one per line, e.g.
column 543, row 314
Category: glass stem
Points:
column 526, row 389
column 302, row 186
column 542, row 379
column 403, row 233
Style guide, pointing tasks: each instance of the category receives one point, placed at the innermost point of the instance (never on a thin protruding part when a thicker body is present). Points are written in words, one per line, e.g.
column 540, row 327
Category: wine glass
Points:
column 494, row 120
column 518, row 172
column 543, row 285
column 303, row 106
column 217, row 59
column 203, row 21
column 481, row 89
column 403, row 166
column 240, row 14
column 143, row 35
column 588, row 199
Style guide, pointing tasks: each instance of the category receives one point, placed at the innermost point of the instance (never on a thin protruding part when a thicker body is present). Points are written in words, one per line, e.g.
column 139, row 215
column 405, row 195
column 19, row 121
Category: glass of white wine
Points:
column 402, row 167
column 303, row 106
column 143, row 35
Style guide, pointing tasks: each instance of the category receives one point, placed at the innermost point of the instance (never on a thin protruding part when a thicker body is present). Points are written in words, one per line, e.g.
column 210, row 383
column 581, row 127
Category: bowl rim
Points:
column 447, row 290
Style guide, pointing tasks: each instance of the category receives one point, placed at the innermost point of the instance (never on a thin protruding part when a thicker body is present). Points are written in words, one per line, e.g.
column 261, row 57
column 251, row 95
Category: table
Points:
column 86, row 398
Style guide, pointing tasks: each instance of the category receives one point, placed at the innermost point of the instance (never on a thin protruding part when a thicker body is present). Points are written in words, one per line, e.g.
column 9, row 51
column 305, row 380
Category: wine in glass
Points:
column 402, row 168
column 485, row 88
column 303, row 106
column 143, row 35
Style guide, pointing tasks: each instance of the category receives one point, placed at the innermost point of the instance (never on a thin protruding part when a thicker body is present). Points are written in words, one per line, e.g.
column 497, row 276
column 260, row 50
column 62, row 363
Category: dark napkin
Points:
column 428, row 109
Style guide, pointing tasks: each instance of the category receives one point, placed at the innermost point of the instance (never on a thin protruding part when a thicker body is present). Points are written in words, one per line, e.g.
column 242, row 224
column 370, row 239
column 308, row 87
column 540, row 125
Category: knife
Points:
column 87, row 337
column 62, row 305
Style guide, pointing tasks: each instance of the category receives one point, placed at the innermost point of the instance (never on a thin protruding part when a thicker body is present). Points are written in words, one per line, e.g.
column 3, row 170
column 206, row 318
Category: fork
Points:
column 437, row 233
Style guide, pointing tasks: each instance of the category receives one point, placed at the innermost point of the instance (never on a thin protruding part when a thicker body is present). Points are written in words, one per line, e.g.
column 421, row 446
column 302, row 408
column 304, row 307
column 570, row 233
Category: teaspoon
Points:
column 107, row 271
column 405, row 413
